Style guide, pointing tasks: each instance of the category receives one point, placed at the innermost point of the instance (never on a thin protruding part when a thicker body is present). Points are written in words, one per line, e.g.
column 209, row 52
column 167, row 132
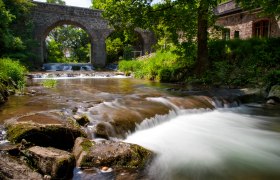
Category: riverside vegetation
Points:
column 233, row 63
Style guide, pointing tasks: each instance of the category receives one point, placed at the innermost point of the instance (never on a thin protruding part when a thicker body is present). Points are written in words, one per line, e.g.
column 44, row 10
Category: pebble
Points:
column 106, row 169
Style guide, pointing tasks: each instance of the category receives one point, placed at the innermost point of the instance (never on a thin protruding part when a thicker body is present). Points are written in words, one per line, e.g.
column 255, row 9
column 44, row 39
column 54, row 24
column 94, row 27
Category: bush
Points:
column 164, row 66
column 244, row 62
column 12, row 70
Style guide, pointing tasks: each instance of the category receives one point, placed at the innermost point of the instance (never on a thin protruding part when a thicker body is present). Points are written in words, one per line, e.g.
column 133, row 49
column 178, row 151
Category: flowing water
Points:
column 194, row 137
column 219, row 144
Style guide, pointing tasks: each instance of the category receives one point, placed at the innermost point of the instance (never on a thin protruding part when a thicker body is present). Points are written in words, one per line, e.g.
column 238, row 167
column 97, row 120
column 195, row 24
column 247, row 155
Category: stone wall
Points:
column 243, row 22
column 234, row 18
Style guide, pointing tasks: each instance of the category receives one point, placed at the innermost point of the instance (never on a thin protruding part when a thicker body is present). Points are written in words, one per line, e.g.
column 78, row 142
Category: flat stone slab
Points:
column 50, row 161
column 11, row 168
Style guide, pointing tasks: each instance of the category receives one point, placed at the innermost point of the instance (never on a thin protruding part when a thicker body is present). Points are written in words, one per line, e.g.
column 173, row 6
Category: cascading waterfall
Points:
column 217, row 144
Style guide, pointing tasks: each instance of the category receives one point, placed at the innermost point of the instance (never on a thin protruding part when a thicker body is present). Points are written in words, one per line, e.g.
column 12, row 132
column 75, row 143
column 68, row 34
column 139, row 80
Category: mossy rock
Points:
column 57, row 163
column 116, row 155
column 274, row 93
column 12, row 168
column 53, row 135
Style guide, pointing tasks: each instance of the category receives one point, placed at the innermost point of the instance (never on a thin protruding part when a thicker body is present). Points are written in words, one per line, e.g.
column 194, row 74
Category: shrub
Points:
column 164, row 66
column 244, row 62
column 11, row 69
column 49, row 83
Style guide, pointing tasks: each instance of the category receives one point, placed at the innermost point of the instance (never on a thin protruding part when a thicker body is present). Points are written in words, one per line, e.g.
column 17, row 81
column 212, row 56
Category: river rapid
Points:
column 195, row 134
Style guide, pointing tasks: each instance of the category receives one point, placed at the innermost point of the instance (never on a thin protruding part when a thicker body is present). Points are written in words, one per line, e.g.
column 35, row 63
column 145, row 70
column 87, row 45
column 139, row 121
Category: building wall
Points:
column 243, row 22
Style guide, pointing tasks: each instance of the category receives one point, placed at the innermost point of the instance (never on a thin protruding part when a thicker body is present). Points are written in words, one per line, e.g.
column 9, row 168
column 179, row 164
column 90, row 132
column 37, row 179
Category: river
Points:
column 209, row 141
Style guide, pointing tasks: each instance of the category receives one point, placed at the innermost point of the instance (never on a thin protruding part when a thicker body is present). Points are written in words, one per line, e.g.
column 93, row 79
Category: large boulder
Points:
column 274, row 93
column 11, row 168
column 44, row 131
column 52, row 162
column 110, row 154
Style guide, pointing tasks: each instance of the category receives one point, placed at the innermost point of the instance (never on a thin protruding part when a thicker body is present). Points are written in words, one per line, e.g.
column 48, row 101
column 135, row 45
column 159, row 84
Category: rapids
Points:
column 203, row 144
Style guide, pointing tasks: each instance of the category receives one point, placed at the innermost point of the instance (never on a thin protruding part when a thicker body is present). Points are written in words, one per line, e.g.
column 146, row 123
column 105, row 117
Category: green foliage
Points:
column 99, row 4
column 16, row 42
column 49, row 83
column 61, row 2
column 164, row 66
column 10, row 69
column 244, row 62
column 272, row 78
column 114, row 48
column 120, row 44
column 68, row 38
column 271, row 7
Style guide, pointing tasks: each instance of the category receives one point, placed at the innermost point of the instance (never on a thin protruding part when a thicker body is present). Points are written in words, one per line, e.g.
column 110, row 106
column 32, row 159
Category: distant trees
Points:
column 270, row 7
column 61, row 2
column 68, row 43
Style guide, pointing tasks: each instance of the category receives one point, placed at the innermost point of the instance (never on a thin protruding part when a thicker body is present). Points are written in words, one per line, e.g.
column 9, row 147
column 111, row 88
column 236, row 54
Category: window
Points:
column 226, row 34
column 236, row 34
column 261, row 28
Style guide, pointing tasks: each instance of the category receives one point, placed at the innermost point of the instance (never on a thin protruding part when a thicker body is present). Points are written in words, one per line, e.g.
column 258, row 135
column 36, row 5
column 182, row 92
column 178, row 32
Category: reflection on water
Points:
column 217, row 144
column 69, row 93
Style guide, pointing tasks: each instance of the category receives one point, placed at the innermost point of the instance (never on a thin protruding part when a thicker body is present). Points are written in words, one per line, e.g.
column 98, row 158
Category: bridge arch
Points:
column 58, row 23
column 46, row 16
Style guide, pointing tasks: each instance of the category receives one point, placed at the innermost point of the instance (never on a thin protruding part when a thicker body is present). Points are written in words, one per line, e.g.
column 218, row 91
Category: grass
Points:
column 49, row 83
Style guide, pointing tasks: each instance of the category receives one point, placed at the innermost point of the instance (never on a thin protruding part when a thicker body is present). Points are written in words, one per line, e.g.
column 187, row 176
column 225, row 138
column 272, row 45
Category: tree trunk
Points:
column 202, row 47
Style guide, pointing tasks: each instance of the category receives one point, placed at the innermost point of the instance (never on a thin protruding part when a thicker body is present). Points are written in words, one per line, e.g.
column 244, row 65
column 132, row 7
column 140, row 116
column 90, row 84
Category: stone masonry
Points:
column 48, row 16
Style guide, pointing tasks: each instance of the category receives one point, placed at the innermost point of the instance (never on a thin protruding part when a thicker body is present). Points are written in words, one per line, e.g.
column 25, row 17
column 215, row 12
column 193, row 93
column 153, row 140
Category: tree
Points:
column 68, row 38
column 181, row 20
column 270, row 7
column 15, row 41
column 61, row 2
column 189, row 17
column 99, row 4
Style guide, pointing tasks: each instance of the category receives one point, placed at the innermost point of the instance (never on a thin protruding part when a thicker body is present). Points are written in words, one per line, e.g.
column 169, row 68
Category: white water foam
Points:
column 81, row 76
column 211, row 145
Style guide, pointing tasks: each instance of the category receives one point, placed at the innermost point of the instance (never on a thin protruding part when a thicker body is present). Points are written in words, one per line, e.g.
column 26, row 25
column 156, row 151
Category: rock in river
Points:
column 44, row 133
column 53, row 162
column 11, row 168
column 274, row 93
column 110, row 154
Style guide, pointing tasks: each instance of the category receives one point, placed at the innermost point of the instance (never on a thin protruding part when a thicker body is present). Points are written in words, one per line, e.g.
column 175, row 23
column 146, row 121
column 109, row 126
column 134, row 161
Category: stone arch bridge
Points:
column 47, row 16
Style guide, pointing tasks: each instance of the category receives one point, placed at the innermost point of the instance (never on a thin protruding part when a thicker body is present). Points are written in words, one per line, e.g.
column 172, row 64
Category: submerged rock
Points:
column 110, row 154
column 82, row 120
column 11, row 168
column 104, row 130
column 51, row 162
column 43, row 132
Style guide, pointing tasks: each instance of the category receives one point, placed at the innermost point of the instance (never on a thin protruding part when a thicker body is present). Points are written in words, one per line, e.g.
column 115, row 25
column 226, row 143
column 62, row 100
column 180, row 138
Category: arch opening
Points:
column 124, row 45
column 67, row 42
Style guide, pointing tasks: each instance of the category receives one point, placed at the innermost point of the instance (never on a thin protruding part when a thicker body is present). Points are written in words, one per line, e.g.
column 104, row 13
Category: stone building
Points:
column 242, row 24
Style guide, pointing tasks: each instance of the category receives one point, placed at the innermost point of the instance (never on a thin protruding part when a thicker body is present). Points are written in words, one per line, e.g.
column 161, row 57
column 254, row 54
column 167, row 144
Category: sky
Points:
column 81, row 3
